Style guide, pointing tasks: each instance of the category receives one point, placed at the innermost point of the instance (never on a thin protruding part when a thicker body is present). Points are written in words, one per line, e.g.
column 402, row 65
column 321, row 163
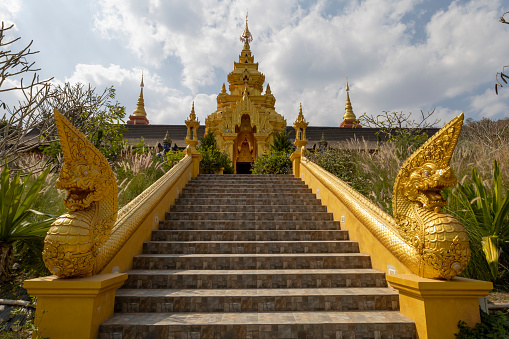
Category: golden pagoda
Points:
column 245, row 119
column 139, row 116
column 349, row 119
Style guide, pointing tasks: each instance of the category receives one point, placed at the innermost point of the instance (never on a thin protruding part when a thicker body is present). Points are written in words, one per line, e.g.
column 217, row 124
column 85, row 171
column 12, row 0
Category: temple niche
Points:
column 245, row 119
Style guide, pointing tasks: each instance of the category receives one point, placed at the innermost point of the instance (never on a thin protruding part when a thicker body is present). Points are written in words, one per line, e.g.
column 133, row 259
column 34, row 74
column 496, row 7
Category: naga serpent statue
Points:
column 75, row 245
column 440, row 240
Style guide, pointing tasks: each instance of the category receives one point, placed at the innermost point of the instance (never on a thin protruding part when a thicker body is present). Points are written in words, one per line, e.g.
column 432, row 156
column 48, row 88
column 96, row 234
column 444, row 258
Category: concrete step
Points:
column 244, row 279
column 240, row 247
column 248, row 235
column 247, row 199
column 302, row 325
column 275, row 208
column 251, row 261
column 263, row 189
column 266, row 225
column 249, row 216
column 240, row 198
column 257, row 300
column 245, row 177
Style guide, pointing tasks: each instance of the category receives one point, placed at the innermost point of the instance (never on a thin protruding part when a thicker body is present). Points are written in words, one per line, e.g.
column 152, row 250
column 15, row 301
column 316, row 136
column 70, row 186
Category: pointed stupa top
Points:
column 192, row 116
column 268, row 91
column 246, row 36
column 140, row 106
column 348, row 107
column 167, row 138
column 300, row 117
column 223, row 89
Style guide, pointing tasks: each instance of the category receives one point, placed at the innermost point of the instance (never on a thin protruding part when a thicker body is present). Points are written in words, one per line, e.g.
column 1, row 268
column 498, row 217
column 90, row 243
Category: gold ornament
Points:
column 440, row 240
column 74, row 239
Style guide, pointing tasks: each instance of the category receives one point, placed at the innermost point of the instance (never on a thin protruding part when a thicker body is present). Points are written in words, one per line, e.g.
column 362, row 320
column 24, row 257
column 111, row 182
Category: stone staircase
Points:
column 253, row 256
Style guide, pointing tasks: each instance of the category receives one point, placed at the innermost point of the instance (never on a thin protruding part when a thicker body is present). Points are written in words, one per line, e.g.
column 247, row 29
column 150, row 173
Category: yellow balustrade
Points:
column 436, row 305
column 74, row 308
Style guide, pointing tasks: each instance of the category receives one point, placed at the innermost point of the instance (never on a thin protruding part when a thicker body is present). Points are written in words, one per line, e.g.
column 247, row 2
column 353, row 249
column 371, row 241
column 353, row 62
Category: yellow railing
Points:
column 436, row 306
column 138, row 218
column 74, row 308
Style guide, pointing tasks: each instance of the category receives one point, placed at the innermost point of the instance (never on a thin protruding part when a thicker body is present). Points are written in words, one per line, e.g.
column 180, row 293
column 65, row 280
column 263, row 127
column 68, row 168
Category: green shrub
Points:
column 273, row 163
column 212, row 158
column 491, row 326
column 484, row 211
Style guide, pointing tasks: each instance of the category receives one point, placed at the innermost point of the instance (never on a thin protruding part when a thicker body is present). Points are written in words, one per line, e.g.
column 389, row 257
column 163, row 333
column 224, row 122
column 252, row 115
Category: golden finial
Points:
column 192, row 116
column 348, row 107
column 140, row 105
column 268, row 91
column 300, row 118
column 223, row 90
column 246, row 35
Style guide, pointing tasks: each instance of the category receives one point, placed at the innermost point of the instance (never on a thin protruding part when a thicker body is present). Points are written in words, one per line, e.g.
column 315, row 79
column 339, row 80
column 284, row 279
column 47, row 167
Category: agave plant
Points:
column 488, row 214
column 16, row 198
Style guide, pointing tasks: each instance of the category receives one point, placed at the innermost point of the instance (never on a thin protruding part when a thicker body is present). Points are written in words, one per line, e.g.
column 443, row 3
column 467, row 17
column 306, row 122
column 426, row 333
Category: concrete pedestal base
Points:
column 73, row 308
column 436, row 306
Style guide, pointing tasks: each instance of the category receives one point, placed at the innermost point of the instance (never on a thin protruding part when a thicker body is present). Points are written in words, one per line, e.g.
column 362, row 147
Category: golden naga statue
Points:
column 75, row 245
column 440, row 241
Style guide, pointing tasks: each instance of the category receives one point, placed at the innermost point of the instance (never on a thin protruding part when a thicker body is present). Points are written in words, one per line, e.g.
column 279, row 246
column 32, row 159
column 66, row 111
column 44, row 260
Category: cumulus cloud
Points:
column 164, row 105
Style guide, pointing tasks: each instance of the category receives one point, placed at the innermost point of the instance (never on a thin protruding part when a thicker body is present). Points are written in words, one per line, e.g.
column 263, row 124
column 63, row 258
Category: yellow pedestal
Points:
column 73, row 308
column 436, row 306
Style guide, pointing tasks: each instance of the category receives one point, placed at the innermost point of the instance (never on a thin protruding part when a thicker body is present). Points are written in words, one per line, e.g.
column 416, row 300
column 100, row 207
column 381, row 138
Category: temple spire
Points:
column 348, row 106
column 139, row 116
column 246, row 36
column 349, row 119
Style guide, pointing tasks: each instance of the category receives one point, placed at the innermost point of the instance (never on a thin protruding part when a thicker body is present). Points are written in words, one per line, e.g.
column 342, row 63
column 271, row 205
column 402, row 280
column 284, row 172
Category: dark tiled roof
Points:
column 154, row 134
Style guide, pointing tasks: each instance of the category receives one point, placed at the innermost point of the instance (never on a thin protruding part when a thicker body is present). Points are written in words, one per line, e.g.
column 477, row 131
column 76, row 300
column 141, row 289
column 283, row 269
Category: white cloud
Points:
column 490, row 105
column 164, row 105
column 306, row 53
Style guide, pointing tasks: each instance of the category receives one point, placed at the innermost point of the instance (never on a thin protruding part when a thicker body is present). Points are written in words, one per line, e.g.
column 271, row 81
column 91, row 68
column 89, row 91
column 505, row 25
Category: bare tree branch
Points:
column 18, row 121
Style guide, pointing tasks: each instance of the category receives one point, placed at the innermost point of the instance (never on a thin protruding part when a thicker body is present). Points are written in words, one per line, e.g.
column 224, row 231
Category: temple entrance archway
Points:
column 245, row 148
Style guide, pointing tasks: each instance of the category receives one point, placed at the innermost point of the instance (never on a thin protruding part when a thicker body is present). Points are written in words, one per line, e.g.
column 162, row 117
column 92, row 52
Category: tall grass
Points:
column 373, row 172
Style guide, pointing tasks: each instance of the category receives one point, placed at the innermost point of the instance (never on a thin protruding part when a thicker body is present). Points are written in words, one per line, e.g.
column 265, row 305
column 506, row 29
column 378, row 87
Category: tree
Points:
column 407, row 133
column 94, row 115
column 502, row 75
column 281, row 143
column 18, row 121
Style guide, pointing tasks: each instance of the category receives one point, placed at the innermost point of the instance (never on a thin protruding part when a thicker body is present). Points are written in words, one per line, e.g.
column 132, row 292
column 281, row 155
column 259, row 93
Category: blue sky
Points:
column 399, row 55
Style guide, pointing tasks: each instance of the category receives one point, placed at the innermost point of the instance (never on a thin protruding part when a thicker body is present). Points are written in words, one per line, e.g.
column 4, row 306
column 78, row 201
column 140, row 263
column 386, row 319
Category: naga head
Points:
column 84, row 184
column 86, row 175
column 425, row 184
column 426, row 173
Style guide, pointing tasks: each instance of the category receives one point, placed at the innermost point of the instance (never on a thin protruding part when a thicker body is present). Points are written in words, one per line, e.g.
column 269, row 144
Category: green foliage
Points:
column 16, row 200
column 96, row 116
column 281, row 143
column 343, row 164
column 485, row 214
column 491, row 326
column 278, row 160
column 273, row 163
column 212, row 158
column 173, row 157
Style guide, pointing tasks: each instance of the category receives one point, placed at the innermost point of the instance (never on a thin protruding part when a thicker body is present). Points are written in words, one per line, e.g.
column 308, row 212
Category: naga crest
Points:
column 73, row 240
column 440, row 239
